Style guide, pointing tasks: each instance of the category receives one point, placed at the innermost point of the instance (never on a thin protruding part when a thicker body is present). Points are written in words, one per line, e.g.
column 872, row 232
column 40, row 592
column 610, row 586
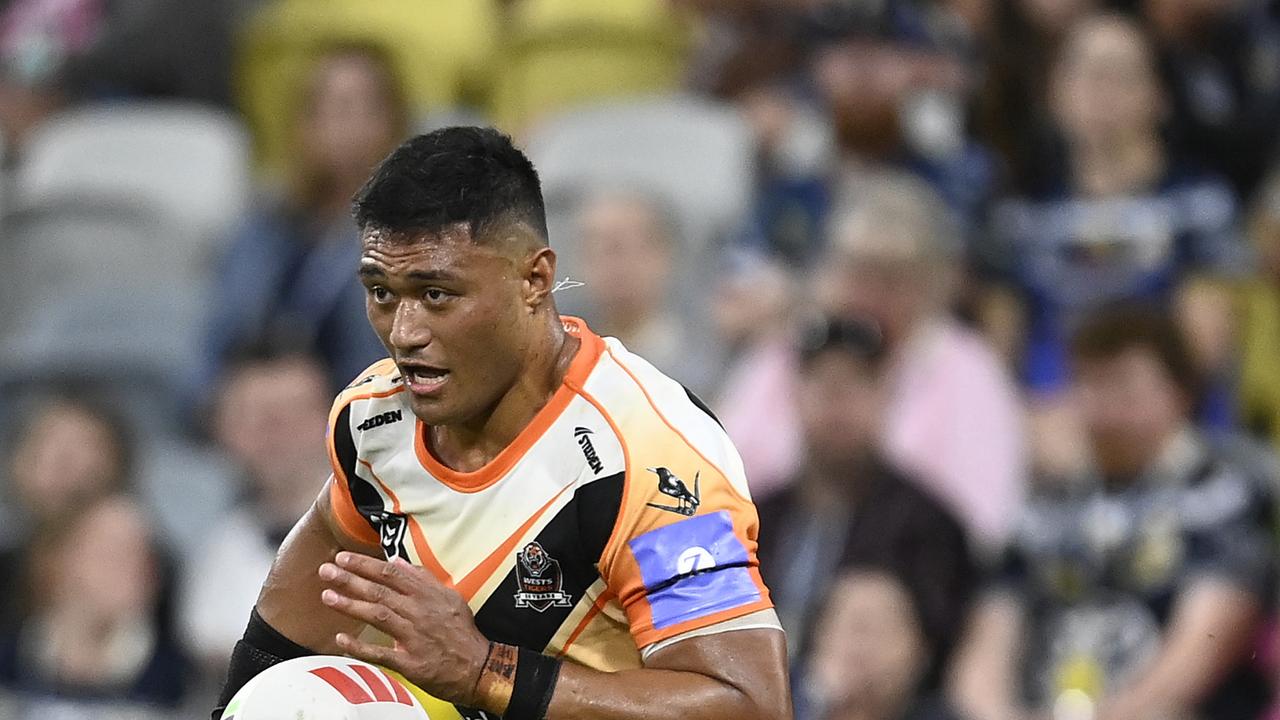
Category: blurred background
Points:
column 987, row 293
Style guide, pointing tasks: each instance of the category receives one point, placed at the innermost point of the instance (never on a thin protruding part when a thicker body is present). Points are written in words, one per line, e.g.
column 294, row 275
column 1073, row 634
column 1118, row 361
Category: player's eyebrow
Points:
column 430, row 275
column 373, row 272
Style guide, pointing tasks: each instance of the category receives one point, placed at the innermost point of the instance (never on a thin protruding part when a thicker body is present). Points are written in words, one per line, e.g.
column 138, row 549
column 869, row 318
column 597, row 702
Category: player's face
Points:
column 452, row 315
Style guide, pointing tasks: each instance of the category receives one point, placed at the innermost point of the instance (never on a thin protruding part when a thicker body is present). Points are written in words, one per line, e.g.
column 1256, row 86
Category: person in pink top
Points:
column 955, row 418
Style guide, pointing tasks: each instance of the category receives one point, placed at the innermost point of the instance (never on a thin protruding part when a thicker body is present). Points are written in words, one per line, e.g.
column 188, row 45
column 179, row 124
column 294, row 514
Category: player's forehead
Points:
column 451, row 249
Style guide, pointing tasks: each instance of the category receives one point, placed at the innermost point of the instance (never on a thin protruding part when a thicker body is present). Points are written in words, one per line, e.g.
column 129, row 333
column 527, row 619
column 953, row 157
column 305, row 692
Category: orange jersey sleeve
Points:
column 340, row 443
column 682, row 556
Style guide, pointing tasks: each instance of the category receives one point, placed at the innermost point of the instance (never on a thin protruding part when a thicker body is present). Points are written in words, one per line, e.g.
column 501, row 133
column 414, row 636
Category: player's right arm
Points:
column 290, row 597
column 289, row 619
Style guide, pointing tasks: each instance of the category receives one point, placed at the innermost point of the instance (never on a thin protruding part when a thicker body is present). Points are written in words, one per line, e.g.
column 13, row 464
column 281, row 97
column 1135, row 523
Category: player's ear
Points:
column 539, row 276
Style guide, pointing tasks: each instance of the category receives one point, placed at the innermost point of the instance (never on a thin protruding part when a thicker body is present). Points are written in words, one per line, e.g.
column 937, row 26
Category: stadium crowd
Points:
column 986, row 292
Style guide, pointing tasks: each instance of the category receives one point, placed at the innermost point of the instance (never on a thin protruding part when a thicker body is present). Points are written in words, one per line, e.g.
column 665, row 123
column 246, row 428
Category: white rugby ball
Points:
column 324, row 687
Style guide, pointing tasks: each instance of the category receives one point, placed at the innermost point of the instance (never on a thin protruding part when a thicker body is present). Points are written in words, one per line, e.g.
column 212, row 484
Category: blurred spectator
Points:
column 1013, row 106
column 1259, row 322
column 1135, row 592
column 630, row 249
column 954, row 418
column 1124, row 219
column 1222, row 61
column 877, row 647
column 291, row 268
column 98, row 640
column 70, row 452
column 270, row 417
column 848, row 502
column 754, row 313
column 162, row 48
column 897, row 102
column 37, row 39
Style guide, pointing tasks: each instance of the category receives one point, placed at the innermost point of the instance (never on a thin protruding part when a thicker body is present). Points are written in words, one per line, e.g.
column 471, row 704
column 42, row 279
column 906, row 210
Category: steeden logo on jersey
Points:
column 386, row 418
column 588, row 450
column 539, row 580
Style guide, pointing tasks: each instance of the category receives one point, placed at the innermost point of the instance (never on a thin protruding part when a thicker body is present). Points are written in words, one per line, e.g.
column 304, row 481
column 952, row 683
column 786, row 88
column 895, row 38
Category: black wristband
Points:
column 536, row 676
column 261, row 647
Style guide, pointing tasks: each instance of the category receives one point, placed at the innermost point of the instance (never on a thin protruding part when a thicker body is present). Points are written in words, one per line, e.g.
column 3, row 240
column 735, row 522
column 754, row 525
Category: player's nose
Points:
column 409, row 328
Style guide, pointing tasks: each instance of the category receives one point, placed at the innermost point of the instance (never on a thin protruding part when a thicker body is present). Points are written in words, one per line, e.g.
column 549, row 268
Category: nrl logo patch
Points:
column 392, row 528
column 538, row 580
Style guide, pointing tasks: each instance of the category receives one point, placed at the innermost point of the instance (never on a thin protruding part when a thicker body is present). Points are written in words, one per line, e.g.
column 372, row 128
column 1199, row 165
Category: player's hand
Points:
column 437, row 645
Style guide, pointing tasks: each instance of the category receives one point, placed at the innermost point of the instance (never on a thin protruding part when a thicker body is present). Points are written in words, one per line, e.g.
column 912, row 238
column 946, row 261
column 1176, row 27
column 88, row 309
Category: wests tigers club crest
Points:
column 538, row 580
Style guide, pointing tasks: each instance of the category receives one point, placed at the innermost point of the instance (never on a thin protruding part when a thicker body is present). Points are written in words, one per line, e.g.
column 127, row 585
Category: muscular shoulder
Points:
column 661, row 424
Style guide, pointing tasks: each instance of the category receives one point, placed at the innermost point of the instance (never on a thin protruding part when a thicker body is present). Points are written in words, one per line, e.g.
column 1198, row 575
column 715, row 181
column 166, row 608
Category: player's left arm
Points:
column 738, row 674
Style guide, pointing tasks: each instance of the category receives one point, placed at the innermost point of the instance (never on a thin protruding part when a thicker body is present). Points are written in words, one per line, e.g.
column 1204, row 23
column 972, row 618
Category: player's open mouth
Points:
column 423, row 379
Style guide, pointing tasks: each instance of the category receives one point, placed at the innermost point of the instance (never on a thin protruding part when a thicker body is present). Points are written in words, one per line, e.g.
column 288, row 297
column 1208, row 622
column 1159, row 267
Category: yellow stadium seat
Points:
column 561, row 53
column 439, row 49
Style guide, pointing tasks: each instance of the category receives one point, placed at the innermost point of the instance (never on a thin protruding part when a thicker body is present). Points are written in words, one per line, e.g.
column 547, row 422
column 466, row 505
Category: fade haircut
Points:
column 454, row 175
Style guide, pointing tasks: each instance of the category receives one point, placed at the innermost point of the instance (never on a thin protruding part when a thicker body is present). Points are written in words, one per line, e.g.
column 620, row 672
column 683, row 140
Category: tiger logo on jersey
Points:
column 538, row 576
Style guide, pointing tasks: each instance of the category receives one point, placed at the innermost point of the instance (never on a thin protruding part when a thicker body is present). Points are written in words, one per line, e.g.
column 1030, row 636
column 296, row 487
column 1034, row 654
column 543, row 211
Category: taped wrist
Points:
column 516, row 683
column 536, row 676
column 261, row 647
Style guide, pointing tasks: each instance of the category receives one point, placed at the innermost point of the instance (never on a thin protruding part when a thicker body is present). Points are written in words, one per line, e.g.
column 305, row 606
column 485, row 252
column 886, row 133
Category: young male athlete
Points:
column 542, row 523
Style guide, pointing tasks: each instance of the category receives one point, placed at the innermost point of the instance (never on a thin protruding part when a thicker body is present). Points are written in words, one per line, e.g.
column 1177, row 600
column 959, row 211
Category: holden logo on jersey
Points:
column 391, row 532
column 670, row 485
column 538, row 579
column 588, row 450
column 694, row 559
column 381, row 419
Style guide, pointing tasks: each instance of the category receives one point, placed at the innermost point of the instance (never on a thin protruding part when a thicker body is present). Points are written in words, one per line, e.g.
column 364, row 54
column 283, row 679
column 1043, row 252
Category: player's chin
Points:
column 435, row 409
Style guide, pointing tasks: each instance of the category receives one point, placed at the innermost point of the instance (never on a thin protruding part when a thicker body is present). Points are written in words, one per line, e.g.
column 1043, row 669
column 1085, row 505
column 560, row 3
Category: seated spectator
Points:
column 954, row 419
column 291, row 267
column 1124, row 218
column 98, row 640
column 630, row 253
column 848, row 503
column 1259, row 322
column 70, row 452
column 270, row 418
column 1135, row 592
column 878, row 644
column 1013, row 105
column 754, row 315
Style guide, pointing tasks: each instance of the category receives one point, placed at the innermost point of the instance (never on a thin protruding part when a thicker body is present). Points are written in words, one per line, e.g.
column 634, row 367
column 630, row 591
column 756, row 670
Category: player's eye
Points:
column 435, row 295
column 380, row 294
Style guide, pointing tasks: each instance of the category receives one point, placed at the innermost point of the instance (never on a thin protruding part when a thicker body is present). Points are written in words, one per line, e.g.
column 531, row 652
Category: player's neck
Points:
column 467, row 447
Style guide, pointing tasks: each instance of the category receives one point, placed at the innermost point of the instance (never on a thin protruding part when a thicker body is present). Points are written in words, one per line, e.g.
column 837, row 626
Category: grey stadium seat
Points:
column 99, row 288
column 693, row 153
column 188, row 161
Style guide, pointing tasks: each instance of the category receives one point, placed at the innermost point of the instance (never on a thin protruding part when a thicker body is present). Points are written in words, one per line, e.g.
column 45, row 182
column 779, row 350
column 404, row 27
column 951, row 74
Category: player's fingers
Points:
column 375, row 614
column 354, row 586
column 368, row 652
column 398, row 575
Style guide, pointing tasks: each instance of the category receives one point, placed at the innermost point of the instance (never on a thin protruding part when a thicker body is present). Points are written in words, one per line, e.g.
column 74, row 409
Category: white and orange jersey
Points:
column 618, row 521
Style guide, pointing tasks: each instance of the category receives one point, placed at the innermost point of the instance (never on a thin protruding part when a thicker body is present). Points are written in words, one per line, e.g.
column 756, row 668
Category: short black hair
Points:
column 1120, row 327
column 454, row 175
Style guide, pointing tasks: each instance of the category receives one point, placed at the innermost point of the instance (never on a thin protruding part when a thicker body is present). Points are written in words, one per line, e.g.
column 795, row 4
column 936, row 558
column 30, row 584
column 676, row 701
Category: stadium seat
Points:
column 186, row 161
column 561, row 53
column 694, row 154
column 439, row 49
column 101, row 288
